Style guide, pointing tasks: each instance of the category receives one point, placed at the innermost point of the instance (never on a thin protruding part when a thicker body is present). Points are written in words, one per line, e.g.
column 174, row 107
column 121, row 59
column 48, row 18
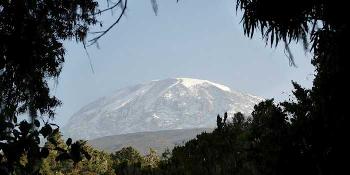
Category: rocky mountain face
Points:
column 177, row 103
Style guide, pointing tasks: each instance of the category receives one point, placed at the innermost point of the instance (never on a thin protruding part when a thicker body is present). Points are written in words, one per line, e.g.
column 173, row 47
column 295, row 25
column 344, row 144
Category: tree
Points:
column 221, row 152
column 98, row 163
column 270, row 151
column 32, row 53
column 127, row 161
column 318, row 112
column 151, row 159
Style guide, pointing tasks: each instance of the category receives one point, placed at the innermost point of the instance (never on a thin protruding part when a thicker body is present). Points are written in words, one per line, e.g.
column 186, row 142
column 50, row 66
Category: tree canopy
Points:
column 31, row 53
column 318, row 112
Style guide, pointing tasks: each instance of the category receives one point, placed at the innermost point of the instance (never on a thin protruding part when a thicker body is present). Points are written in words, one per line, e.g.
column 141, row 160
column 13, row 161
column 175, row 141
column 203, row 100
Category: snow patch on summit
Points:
column 191, row 82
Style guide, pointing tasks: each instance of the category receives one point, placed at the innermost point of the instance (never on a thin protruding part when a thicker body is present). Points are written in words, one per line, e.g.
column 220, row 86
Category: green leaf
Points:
column 69, row 141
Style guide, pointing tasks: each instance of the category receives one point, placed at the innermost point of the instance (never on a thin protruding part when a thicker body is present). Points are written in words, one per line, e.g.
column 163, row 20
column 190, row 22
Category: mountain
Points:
column 177, row 103
column 143, row 141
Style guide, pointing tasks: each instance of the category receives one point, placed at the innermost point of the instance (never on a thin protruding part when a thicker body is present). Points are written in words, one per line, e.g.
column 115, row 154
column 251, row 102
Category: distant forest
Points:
column 306, row 134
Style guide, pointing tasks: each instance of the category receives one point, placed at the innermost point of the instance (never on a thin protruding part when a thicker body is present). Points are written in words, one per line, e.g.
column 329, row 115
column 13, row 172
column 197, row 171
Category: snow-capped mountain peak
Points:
column 175, row 103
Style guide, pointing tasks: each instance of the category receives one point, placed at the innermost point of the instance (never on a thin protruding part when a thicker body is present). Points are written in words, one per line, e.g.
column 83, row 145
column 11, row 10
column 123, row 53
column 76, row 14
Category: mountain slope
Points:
column 143, row 141
column 177, row 103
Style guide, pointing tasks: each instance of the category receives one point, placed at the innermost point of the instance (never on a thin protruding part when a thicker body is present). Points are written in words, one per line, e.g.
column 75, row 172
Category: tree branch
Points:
column 94, row 40
column 110, row 8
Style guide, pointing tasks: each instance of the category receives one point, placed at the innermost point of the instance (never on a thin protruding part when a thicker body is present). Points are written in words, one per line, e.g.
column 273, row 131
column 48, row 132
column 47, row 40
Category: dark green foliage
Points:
column 31, row 50
column 129, row 161
column 128, row 155
column 269, row 140
column 31, row 53
column 220, row 152
column 319, row 119
column 22, row 154
column 59, row 160
column 219, row 122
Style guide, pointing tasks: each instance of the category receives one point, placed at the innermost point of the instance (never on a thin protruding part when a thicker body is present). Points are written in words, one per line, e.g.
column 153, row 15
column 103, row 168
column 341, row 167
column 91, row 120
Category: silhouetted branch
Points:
column 123, row 7
column 110, row 8
column 155, row 6
column 94, row 40
column 289, row 54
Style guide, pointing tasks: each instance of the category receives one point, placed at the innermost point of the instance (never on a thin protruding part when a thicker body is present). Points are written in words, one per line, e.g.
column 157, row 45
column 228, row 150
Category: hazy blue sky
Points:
column 194, row 38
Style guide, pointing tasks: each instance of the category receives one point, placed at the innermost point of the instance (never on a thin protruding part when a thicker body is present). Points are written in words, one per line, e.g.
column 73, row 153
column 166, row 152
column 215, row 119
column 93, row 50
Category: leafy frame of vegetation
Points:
column 307, row 135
